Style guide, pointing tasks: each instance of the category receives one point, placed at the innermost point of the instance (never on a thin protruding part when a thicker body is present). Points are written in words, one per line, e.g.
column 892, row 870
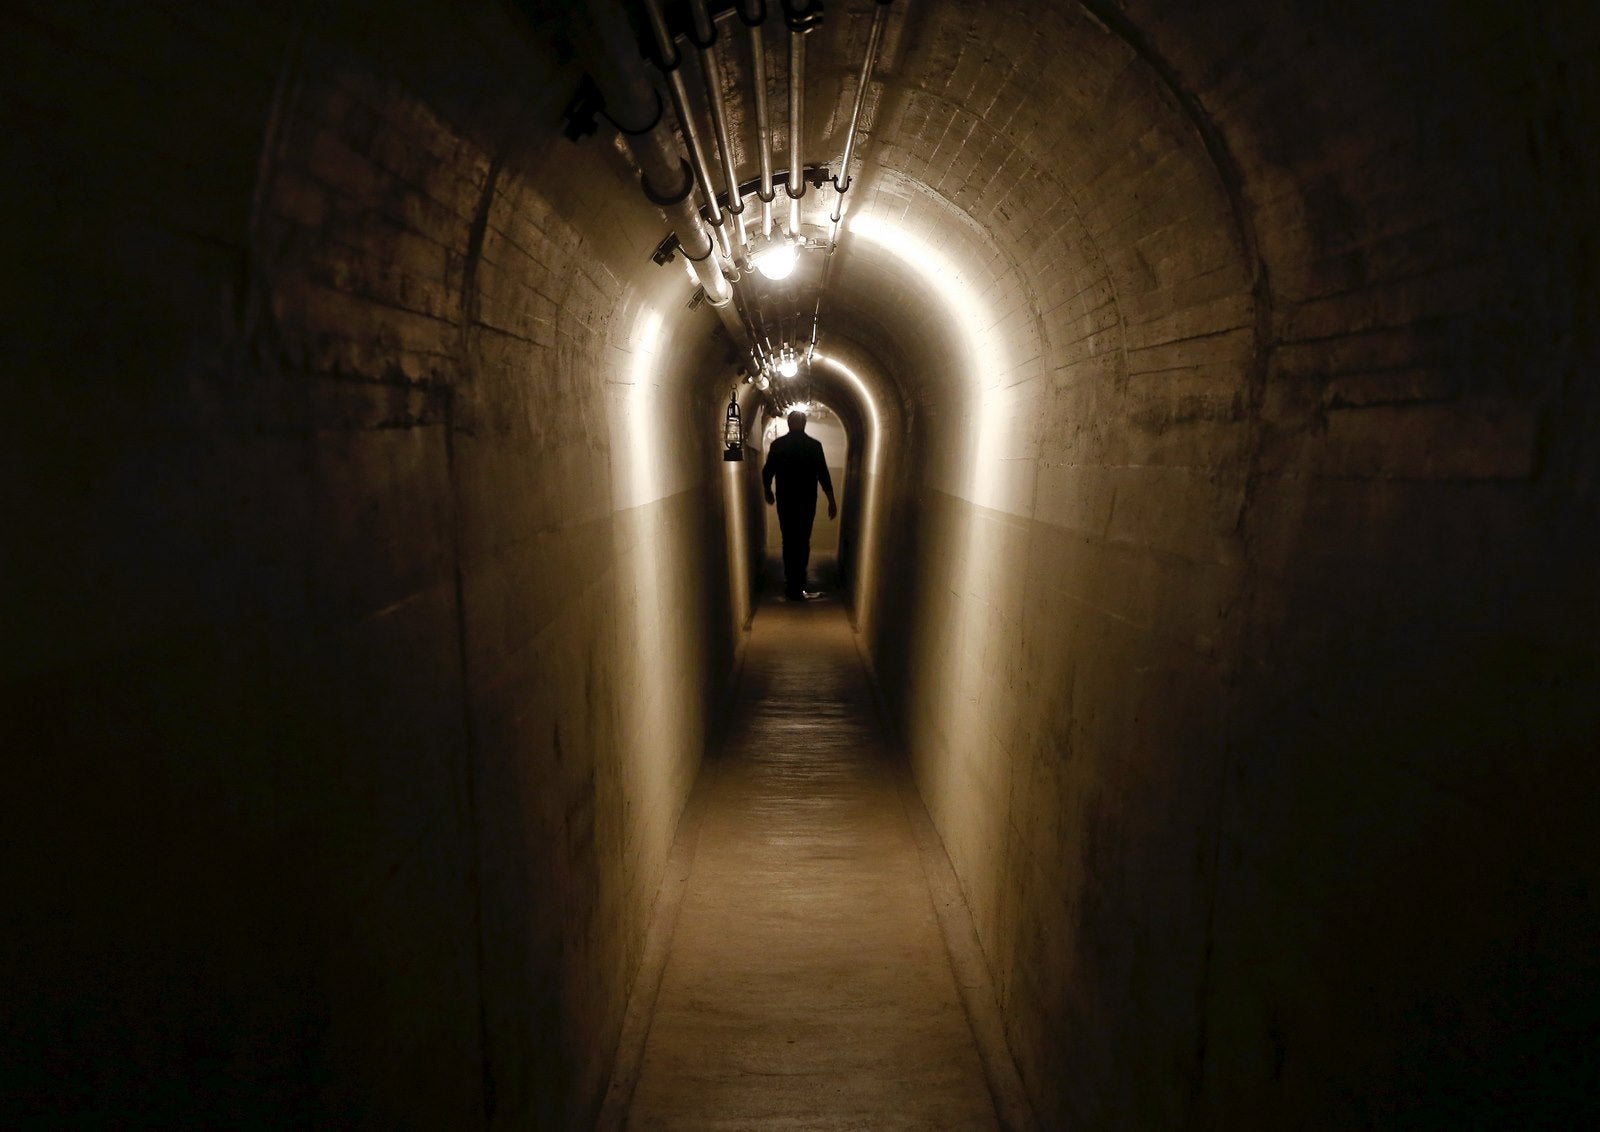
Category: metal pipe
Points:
column 635, row 106
column 797, row 170
column 672, row 66
column 874, row 38
column 752, row 350
column 705, row 36
column 754, row 12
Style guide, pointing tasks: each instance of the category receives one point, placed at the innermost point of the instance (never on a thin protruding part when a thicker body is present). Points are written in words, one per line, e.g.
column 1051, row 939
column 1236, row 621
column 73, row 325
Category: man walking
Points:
column 796, row 460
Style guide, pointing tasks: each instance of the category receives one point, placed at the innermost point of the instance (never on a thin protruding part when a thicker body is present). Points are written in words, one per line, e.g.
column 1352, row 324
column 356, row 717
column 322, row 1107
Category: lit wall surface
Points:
column 1221, row 534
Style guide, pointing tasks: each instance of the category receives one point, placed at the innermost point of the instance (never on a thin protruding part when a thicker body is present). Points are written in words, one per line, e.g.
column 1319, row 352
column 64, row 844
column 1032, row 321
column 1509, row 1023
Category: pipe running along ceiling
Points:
column 980, row 244
column 771, row 186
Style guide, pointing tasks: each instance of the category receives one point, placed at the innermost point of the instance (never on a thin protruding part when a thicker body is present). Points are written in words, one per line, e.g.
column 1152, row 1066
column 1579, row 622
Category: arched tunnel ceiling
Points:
column 1026, row 188
column 357, row 494
column 1119, row 190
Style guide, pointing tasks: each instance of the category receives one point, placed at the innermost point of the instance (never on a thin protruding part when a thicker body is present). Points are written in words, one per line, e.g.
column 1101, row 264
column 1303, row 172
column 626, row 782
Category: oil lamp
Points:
column 733, row 430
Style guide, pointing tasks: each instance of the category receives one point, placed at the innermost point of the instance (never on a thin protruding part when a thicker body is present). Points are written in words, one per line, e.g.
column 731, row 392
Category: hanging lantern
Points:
column 733, row 430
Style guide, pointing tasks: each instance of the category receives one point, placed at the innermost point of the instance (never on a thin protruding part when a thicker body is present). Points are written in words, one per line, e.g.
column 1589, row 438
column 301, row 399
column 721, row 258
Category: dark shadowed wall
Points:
column 364, row 590
column 1250, row 674
column 1223, row 540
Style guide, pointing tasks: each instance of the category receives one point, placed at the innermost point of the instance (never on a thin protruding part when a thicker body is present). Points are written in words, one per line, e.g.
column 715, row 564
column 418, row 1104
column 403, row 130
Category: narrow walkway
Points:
column 807, row 984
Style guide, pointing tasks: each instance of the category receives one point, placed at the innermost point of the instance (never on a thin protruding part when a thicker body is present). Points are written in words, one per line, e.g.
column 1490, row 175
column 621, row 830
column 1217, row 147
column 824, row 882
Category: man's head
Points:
column 797, row 421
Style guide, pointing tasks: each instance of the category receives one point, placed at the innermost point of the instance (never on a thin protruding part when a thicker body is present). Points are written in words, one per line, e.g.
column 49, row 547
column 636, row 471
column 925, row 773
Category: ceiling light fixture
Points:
column 777, row 259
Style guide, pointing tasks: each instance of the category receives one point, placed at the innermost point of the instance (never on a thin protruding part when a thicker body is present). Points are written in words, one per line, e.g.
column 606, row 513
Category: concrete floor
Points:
column 807, row 983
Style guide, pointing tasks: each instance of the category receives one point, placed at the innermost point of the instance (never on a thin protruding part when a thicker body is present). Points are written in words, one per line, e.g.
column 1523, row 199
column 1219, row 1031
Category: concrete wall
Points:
column 1228, row 564
column 364, row 589
column 1248, row 669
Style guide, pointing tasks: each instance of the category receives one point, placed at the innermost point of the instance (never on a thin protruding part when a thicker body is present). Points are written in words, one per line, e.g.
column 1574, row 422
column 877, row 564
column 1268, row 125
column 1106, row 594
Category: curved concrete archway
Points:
column 1225, row 551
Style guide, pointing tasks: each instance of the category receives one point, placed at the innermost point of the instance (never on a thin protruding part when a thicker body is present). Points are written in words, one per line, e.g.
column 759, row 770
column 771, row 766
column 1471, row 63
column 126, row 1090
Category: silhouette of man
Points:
column 797, row 462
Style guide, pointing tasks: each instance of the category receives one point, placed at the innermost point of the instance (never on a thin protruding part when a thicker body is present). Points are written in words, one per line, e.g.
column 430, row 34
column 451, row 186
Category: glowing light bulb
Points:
column 789, row 367
column 777, row 259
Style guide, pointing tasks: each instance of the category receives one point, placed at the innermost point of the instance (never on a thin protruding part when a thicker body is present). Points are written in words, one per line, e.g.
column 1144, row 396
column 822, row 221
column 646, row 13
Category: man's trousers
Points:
column 795, row 521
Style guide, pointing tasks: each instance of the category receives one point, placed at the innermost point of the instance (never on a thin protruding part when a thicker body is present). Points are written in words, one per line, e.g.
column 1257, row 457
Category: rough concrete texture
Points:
column 1249, row 671
column 1226, row 555
column 359, row 620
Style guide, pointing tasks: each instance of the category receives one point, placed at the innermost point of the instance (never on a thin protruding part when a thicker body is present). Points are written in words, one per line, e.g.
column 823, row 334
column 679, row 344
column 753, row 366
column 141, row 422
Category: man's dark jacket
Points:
column 799, row 465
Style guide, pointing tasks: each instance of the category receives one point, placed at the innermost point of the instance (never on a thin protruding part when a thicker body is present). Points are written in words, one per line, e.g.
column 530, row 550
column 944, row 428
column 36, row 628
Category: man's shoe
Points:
column 810, row 595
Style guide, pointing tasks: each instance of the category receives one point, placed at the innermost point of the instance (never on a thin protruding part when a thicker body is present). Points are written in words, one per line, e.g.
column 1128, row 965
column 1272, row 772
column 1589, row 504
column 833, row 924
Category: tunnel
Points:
column 1212, row 398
